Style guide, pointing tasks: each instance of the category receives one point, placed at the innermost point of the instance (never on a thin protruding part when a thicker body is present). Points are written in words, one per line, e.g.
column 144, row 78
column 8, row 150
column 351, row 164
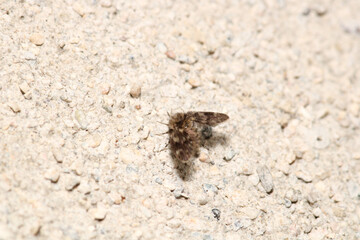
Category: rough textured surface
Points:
column 82, row 159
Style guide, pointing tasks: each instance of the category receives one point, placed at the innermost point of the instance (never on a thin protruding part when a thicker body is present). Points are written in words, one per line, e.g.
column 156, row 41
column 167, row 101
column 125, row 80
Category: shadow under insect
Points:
column 187, row 132
column 208, row 139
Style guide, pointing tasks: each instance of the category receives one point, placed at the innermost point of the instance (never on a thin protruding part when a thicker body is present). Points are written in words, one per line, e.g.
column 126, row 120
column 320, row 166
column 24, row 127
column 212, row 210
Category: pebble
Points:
column 71, row 183
column 245, row 222
column 131, row 168
column 37, row 38
column 204, row 157
column 170, row 54
column 179, row 193
column 251, row 213
column 216, row 213
column 254, row 179
column 174, row 223
column 79, row 9
column 158, row 181
column 135, row 91
column 122, row 105
column 246, row 168
column 34, row 228
column 108, row 103
column 53, row 175
column 29, row 56
column 339, row 212
column 230, row 154
column 194, row 83
column 98, row 213
column 207, row 237
column 304, row 176
column 265, row 178
column 24, row 87
column 116, row 198
column 292, row 195
column 77, row 167
column 105, row 88
column 287, row 203
column 313, row 197
column 95, row 140
column 57, row 155
column 14, row 107
column 106, row 3
column 209, row 188
column 316, row 212
column 237, row 226
column 308, row 227
column 81, row 119
column 186, row 59
column 203, row 199
column 65, row 97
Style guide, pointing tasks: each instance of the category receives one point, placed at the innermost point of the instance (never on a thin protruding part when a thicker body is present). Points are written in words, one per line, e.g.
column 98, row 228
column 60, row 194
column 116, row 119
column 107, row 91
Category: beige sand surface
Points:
column 84, row 85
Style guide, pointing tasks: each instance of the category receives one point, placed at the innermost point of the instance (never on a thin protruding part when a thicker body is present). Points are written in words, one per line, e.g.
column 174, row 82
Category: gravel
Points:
column 84, row 85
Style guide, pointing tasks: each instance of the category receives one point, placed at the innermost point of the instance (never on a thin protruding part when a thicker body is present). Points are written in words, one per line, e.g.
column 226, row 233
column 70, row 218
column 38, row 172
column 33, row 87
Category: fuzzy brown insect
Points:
column 184, row 133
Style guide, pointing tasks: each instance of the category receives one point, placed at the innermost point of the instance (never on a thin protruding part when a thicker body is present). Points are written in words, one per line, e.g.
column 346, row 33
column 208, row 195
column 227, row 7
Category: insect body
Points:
column 184, row 134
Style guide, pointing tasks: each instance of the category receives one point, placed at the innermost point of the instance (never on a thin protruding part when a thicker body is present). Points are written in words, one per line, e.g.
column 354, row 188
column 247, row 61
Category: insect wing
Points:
column 209, row 118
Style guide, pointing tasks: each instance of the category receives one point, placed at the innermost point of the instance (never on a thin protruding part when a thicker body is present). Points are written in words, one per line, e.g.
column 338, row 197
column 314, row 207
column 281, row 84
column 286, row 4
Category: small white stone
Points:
column 24, row 87
column 246, row 168
column 106, row 3
column 29, row 56
column 265, row 178
column 292, row 195
column 77, row 167
column 313, row 197
column 135, row 91
column 53, row 175
column 203, row 199
column 79, row 9
column 254, row 179
column 81, row 119
column 14, row 107
column 194, row 82
column 95, row 140
column 251, row 212
column 98, row 213
column 37, row 39
column 316, row 212
column 71, row 183
column 174, row 223
column 84, row 188
column 116, row 198
column 57, row 155
column 304, row 176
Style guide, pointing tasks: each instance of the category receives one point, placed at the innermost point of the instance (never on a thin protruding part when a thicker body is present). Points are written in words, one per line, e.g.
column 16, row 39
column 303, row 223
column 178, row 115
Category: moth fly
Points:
column 185, row 133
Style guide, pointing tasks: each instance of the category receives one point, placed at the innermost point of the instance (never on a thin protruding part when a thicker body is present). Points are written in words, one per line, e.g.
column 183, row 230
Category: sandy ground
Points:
column 84, row 85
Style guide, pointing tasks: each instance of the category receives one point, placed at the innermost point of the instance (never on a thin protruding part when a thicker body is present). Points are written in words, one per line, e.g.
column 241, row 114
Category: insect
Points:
column 184, row 132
